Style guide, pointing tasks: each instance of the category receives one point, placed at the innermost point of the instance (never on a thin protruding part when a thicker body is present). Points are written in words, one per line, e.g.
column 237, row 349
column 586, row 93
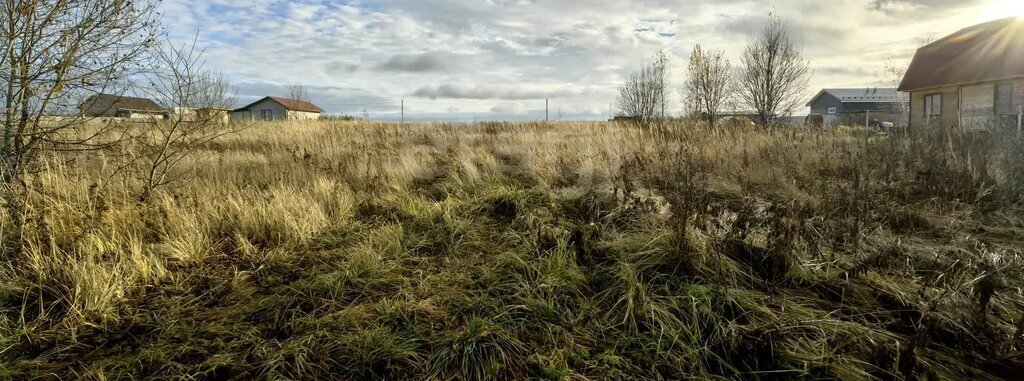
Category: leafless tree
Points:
column 891, row 75
column 661, row 72
column 53, row 54
column 298, row 92
column 709, row 84
column 774, row 75
column 641, row 96
column 179, row 80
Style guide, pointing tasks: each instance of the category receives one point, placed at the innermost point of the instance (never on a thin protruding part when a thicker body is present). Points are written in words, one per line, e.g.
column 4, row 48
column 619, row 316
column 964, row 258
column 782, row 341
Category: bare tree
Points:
column 179, row 80
column 774, row 75
column 661, row 72
column 53, row 54
column 709, row 83
column 891, row 75
column 298, row 92
column 641, row 96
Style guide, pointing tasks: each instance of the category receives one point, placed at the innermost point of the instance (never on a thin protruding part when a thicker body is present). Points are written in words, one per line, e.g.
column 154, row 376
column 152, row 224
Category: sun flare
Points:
column 1003, row 8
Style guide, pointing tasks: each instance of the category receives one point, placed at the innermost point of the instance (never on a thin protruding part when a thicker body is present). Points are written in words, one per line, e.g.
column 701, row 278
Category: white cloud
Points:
column 477, row 56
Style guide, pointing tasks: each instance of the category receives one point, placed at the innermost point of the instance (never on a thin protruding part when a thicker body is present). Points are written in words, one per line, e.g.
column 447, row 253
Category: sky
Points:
column 466, row 60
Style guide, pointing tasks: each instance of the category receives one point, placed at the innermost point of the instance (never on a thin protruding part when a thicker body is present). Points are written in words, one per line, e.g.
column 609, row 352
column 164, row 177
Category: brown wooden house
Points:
column 972, row 79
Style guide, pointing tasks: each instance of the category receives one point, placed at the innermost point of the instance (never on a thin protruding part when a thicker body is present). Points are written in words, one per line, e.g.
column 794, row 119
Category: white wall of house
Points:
column 144, row 115
column 301, row 115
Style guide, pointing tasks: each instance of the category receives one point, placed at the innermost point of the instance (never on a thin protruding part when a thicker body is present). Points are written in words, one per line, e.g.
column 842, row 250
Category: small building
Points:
column 276, row 108
column 214, row 114
column 863, row 106
column 972, row 79
column 119, row 106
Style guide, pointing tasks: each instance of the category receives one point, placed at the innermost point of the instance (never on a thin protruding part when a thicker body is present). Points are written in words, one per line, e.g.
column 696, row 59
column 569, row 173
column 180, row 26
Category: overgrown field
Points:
column 569, row 251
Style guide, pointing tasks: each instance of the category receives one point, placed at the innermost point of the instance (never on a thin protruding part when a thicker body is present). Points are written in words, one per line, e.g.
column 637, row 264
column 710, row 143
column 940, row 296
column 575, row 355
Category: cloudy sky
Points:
column 499, row 59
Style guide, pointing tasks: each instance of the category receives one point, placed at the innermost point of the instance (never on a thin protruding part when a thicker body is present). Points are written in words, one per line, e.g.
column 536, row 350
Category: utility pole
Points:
column 545, row 109
column 610, row 117
column 403, row 111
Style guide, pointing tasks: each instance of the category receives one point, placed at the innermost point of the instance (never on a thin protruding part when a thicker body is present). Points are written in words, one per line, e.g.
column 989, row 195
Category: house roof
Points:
column 289, row 104
column 984, row 52
column 120, row 102
column 863, row 95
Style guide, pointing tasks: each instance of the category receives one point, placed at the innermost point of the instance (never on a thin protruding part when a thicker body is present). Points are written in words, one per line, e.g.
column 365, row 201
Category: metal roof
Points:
column 864, row 95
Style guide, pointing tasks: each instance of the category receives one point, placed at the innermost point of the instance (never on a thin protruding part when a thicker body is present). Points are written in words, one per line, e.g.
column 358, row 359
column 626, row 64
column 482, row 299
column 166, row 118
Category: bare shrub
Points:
column 55, row 54
column 201, row 98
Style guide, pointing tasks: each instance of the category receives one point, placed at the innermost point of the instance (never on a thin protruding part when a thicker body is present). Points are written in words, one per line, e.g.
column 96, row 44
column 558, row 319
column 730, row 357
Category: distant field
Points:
column 358, row 250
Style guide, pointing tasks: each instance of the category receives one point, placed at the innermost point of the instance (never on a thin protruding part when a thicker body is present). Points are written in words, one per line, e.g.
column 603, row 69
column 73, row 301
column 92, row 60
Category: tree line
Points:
column 768, row 83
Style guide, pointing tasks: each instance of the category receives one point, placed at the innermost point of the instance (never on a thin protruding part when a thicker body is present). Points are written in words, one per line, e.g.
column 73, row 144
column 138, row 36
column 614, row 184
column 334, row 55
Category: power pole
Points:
column 545, row 109
column 610, row 117
column 403, row 111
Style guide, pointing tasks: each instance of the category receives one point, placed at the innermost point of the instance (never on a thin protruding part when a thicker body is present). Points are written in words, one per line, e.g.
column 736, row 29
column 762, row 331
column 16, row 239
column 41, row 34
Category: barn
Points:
column 972, row 79
column 277, row 108
column 863, row 106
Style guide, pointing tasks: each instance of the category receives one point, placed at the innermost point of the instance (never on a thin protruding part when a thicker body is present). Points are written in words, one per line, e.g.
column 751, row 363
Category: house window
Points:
column 267, row 114
column 1004, row 99
column 933, row 105
column 831, row 110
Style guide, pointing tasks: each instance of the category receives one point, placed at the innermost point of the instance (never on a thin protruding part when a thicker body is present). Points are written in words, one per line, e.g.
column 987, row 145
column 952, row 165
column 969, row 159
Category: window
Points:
column 267, row 114
column 831, row 110
column 933, row 105
column 1004, row 99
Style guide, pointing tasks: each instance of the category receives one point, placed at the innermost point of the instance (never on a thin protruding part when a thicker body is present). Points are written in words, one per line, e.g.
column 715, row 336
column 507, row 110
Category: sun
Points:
column 1003, row 8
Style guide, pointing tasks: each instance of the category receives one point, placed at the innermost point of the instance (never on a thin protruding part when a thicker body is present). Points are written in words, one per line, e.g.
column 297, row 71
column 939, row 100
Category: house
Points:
column 864, row 106
column 276, row 108
column 972, row 79
column 214, row 114
column 108, row 105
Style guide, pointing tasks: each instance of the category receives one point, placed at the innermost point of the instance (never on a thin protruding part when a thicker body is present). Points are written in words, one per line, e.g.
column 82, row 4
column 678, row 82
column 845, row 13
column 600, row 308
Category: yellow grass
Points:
column 247, row 203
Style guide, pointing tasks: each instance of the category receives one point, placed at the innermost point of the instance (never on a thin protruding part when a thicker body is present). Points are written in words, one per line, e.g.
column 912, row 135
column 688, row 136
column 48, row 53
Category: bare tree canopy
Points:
column 641, row 97
column 201, row 97
column 774, row 75
column 299, row 92
column 709, row 83
column 53, row 55
column 892, row 74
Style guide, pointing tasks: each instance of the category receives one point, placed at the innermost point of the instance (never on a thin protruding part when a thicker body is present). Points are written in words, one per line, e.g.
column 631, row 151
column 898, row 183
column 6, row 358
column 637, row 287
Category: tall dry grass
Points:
column 511, row 250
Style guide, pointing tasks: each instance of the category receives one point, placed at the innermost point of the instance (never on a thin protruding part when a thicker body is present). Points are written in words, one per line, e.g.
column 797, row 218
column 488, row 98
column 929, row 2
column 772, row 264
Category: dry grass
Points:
column 350, row 250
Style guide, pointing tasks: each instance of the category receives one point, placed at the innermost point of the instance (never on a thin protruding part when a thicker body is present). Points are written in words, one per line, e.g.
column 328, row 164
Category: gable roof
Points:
column 863, row 95
column 110, row 102
column 984, row 52
column 289, row 104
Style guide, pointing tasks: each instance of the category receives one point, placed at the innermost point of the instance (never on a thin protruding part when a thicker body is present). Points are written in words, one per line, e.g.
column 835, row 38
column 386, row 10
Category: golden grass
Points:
column 558, row 250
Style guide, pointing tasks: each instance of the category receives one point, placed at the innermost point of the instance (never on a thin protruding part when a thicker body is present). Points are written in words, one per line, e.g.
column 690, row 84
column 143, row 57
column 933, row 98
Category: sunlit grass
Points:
column 362, row 250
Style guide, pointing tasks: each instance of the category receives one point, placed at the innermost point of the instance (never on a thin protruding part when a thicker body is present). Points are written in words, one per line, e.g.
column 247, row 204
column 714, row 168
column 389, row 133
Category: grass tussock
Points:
column 568, row 251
